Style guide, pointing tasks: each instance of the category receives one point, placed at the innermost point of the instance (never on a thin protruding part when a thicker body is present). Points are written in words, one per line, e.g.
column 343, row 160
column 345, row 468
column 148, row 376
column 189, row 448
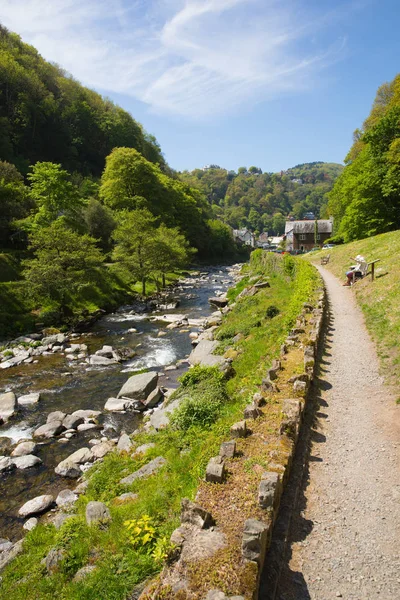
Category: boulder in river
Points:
column 138, row 387
column 24, row 448
column 6, row 464
column 86, row 413
column 30, row 524
column 27, row 399
column 56, row 415
column 67, row 468
column 8, row 403
column 36, row 505
column 116, row 404
column 218, row 302
column 100, row 450
column 49, row 430
column 81, row 456
column 101, row 361
column 27, row 461
column 72, row 421
column 153, row 399
column 5, row 445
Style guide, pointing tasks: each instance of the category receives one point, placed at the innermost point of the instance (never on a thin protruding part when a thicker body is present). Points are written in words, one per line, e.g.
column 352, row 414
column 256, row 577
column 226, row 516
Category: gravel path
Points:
column 344, row 540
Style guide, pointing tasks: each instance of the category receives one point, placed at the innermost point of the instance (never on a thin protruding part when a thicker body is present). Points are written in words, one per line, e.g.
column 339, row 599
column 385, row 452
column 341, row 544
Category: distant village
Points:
column 299, row 236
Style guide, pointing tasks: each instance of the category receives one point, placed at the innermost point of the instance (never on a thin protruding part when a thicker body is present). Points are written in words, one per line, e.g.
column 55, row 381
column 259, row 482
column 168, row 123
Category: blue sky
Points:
column 270, row 83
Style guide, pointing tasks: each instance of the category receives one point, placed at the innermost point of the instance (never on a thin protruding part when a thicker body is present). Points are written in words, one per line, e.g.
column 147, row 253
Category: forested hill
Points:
column 366, row 198
column 45, row 115
column 262, row 201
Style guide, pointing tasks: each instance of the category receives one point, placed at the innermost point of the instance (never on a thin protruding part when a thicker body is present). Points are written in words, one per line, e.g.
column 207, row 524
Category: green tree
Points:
column 54, row 195
column 135, row 238
column 171, row 251
column 100, row 222
column 14, row 201
column 64, row 264
column 278, row 223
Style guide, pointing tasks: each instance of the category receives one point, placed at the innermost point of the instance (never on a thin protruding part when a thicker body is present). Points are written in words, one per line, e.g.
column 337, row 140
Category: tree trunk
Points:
column 144, row 286
column 163, row 280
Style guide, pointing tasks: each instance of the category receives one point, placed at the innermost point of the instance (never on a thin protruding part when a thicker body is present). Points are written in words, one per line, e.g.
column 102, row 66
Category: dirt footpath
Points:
column 344, row 539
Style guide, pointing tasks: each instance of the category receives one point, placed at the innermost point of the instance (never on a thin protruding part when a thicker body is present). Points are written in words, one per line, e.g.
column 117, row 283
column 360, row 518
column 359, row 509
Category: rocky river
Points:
column 71, row 377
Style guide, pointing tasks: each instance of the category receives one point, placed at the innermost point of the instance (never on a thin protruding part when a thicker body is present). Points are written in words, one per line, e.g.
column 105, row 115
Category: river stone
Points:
column 218, row 302
column 106, row 352
column 143, row 448
column 97, row 511
column 56, row 415
column 5, row 445
column 160, row 418
column 145, row 471
column 6, row 464
column 67, row 468
column 154, row 398
column 58, row 338
column 49, row 430
column 9, row 555
column 87, row 426
column 8, row 404
column 66, row 496
column 81, row 456
column 139, row 386
column 86, row 413
column 30, row 524
column 53, row 559
column 100, row 450
column 36, row 505
column 116, row 404
column 5, row 545
column 101, row 361
column 27, row 461
column 24, row 448
column 72, row 421
column 29, row 399
column 124, row 443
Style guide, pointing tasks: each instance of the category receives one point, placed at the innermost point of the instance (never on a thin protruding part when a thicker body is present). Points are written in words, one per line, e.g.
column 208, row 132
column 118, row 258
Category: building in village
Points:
column 263, row 241
column 244, row 236
column 300, row 235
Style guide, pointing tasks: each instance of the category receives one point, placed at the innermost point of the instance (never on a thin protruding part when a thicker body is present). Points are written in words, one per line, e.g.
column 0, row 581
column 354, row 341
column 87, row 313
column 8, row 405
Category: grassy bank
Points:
column 132, row 548
column 380, row 300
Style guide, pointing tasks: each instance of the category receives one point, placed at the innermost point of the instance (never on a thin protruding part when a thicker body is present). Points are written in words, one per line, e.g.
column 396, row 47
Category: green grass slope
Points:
column 380, row 300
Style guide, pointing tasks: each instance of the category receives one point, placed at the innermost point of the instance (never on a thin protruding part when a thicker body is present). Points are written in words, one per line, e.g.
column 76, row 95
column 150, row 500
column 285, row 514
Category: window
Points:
column 303, row 236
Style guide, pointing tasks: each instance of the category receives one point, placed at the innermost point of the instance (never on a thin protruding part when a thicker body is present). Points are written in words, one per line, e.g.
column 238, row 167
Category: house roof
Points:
column 324, row 226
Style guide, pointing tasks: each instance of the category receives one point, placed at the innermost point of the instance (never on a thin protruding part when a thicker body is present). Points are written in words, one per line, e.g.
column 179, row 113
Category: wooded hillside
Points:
column 262, row 201
column 365, row 200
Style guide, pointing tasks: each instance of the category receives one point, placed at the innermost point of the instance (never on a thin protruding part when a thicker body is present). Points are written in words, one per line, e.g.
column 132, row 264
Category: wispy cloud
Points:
column 191, row 58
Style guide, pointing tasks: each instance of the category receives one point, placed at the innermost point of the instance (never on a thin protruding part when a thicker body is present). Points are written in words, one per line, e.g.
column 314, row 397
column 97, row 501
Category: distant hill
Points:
column 262, row 201
column 46, row 115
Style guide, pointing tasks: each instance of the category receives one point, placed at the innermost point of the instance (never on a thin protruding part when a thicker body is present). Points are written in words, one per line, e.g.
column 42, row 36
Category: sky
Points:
column 270, row 83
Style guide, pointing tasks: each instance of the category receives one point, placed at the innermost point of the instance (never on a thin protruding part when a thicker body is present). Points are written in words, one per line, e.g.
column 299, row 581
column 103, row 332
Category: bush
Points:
column 196, row 412
column 271, row 312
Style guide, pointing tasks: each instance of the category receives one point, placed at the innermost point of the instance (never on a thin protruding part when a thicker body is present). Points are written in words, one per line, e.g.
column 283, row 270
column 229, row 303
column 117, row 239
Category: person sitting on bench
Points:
column 356, row 271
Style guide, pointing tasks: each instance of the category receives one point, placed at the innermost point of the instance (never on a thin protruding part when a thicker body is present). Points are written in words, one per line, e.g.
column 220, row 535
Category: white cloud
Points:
column 192, row 58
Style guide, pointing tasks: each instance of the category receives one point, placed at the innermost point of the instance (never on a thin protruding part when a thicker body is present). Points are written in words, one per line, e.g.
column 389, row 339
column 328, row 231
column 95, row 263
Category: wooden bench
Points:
column 371, row 272
column 325, row 259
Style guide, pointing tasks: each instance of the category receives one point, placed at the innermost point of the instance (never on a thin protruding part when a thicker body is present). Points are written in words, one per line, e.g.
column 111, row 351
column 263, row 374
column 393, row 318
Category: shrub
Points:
column 196, row 412
column 271, row 312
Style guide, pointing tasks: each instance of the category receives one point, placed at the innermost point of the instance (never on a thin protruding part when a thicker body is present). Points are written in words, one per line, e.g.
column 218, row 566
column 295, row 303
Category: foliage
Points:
column 45, row 115
column 142, row 532
column 64, row 263
column 14, row 200
column 365, row 200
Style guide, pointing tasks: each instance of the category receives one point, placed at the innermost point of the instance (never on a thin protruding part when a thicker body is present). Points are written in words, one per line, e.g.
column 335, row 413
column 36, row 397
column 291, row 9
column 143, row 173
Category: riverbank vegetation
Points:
column 251, row 334
column 379, row 300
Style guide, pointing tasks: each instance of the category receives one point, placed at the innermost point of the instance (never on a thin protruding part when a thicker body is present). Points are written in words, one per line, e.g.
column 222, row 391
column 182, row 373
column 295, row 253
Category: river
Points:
column 69, row 386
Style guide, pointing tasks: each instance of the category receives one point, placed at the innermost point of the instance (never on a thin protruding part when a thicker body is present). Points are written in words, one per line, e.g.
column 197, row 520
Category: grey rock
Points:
column 160, row 418
column 5, row 445
column 145, row 471
column 30, row 524
column 262, row 284
column 154, row 398
column 138, row 387
column 300, row 388
column 239, row 430
column 24, row 448
column 36, row 505
column 72, row 421
column 97, row 512
column 87, row 426
column 27, row 461
column 143, row 448
column 195, row 515
column 9, row 555
column 66, row 496
column 81, row 456
column 5, row 545
column 203, row 354
column 6, row 464
column 215, row 471
column 49, row 430
column 127, row 496
column 83, row 572
column 53, row 559
column 124, row 443
column 101, row 361
column 268, row 386
column 106, row 351
column 117, row 404
column 268, row 490
column 8, row 404
column 100, row 450
column 58, row 338
column 67, row 468
column 252, row 412
column 29, row 399
column 258, row 399
column 254, row 541
column 59, row 519
column 218, row 302
column 56, row 415
column 86, row 414
column 228, row 449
